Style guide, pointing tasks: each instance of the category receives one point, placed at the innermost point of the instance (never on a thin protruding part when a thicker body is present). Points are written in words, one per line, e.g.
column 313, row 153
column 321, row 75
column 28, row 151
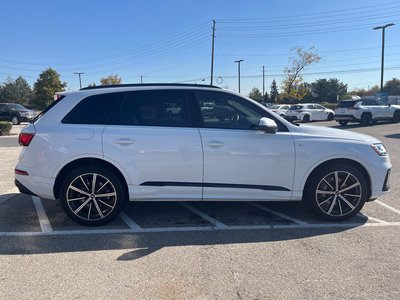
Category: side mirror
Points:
column 267, row 125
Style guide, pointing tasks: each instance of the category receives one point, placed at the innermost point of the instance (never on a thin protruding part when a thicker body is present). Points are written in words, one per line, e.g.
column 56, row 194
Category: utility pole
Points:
column 141, row 79
column 80, row 81
column 238, row 62
column 263, row 81
column 383, row 49
column 212, row 53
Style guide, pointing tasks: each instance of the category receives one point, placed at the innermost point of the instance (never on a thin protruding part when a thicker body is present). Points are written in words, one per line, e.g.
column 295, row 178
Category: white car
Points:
column 97, row 148
column 309, row 112
column 366, row 111
column 280, row 109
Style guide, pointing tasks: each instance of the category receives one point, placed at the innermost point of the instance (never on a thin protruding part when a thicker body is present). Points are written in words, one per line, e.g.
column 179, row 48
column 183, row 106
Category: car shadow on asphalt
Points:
column 393, row 136
column 18, row 215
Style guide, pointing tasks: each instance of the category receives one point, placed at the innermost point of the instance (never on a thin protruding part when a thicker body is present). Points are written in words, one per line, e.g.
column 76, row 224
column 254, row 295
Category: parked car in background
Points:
column 15, row 113
column 97, row 148
column 366, row 111
column 309, row 112
column 280, row 109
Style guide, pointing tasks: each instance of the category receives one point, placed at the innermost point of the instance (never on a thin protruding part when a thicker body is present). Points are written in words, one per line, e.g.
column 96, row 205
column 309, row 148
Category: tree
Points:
column 274, row 93
column 265, row 97
column 392, row 86
column 298, row 63
column 111, row 79
column 327, row 90
column 16, row 91
column 45, row 87
column 255, row 94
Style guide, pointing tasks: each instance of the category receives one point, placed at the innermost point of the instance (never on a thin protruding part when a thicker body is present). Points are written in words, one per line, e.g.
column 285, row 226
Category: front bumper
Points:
column 345, row 118
column 291, row 118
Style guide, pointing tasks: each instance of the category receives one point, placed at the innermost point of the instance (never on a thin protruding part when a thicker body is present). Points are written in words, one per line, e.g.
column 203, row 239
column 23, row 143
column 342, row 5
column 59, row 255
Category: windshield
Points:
column 296, row 107
column 16, row 106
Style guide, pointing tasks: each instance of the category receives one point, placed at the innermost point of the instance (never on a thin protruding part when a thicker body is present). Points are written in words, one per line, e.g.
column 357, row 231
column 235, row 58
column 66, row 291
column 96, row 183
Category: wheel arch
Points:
column 91, row 161
column 338, row 161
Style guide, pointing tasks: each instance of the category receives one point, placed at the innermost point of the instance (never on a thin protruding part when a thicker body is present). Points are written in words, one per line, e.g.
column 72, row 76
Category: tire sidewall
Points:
column 115, row 180
column 311, row 190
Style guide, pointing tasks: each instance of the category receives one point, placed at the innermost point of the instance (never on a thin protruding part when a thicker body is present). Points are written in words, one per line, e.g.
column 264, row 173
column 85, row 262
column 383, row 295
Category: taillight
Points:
column 20, row 172
column 24, row 139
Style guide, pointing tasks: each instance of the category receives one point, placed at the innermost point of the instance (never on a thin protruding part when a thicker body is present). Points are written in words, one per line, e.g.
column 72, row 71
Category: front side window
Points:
column 168, row 108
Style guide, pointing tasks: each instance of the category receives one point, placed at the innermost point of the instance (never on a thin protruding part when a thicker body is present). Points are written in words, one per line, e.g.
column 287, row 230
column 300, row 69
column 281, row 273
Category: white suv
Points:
column 309, row 112
column 97, row 148
column 366, row 111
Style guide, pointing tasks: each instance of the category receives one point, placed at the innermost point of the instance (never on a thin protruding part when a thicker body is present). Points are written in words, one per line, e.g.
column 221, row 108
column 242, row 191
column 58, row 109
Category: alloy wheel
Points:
column 91, row 196
column 338, row 193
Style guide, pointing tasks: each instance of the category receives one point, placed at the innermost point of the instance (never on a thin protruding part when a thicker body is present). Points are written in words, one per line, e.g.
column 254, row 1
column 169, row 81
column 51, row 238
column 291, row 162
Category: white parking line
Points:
column 216, row 223
column 397, row 211
column 208, row 228
column 292, row 219
column 43, row 220
column 371, row 218
column 128, row 221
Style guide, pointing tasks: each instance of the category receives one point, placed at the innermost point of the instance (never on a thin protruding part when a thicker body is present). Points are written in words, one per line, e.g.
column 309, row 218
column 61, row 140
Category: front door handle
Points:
column 215, row 144
column 124, row 142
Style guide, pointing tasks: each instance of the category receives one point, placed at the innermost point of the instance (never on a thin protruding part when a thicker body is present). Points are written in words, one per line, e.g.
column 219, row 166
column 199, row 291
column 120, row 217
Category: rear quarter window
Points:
column 96, row 109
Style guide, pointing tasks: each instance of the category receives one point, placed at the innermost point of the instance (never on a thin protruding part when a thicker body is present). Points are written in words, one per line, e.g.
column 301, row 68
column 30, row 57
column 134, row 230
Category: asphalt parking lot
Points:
column 229, row 250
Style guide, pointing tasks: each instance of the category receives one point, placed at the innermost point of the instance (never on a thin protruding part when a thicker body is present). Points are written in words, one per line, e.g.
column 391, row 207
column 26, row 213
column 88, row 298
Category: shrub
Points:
column 5, row 128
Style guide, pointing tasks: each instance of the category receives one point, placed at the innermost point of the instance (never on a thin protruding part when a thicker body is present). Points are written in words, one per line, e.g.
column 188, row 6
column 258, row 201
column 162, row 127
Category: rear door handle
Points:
column 124, row 142
column 215, row 144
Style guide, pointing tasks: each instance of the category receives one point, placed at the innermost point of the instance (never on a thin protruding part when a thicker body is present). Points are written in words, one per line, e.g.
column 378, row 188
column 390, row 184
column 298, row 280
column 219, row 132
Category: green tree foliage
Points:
column 111, row 79
column 255, row 94
column 297, row 64
column 16, row 91
column 392, row 87
column 326, row 90
column 265, row 97
column 45, row 87
column 274, row 93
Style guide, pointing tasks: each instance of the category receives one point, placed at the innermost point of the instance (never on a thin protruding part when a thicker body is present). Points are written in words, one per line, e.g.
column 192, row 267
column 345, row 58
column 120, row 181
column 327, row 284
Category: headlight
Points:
column 380, row 149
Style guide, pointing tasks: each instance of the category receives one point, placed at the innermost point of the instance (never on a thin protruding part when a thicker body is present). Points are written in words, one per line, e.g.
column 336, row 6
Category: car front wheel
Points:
column 337, row 192
column 15, row 120
column 92, row 195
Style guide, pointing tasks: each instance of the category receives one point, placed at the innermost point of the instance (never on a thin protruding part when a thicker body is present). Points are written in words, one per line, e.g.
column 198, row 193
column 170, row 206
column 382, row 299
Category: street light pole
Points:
column 238, row 62
column 383, row 49
column 80, row 81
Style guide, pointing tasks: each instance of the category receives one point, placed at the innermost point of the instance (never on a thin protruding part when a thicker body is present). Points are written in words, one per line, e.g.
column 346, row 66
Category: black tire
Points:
column 326, row 198
column 15, row 120
column 343, row 123
column 93, row 210
column 366, row 119
column 306, row 118
column 330, row 117
column 396, row 116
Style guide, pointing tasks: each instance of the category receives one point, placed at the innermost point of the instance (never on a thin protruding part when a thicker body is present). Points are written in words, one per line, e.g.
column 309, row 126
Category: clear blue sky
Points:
column 170, row 41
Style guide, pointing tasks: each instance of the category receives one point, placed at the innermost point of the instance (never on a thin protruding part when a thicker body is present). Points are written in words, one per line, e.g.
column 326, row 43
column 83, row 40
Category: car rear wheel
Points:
column 306, row 118
column 15, row 120
column 337, row 192
column 396, row 116
column 366, row 119
column 330, row 117
column 92, row 195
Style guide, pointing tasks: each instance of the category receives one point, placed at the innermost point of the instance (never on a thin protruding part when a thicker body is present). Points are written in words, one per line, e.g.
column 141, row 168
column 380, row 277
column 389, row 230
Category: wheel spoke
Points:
column 90, row 209
column 340, row 207
column 325, row 192
column 352, row 195
column 332, row 205
column 329, row 184
column 344, row 182
column 336, row 181
column 78, row 190
column 82, row 206
column 94, row 183
column 102, row 186
column 84, row 183
column 98, row 209
column 350, row 187
column 76, row 199
column 106, row 195
column 347, row 202
column 323, row 202
column 106, row 204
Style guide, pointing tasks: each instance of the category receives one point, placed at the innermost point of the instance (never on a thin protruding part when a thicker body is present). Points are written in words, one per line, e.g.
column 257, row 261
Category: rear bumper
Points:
column 35, row 185
column 345, row 118
column 291, row 118
column 23, row 189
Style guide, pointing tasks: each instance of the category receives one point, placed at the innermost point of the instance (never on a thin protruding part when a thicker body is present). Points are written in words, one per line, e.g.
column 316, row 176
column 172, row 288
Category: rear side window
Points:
column 95, row 109
column 346, row 104
column 166, row 108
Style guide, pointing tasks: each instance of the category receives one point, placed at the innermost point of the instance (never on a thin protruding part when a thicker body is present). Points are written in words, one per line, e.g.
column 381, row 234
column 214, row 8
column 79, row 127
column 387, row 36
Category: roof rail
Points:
column 148, row 84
